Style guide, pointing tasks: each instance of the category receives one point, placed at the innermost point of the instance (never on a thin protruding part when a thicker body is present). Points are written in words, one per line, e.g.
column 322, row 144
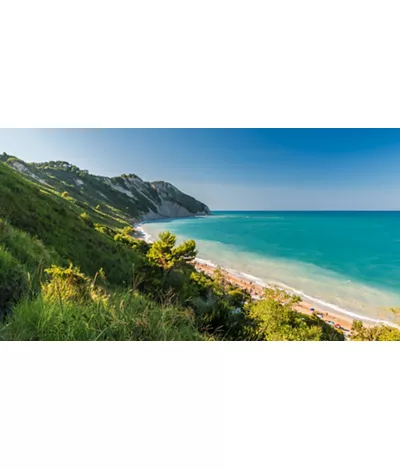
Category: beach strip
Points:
column 256, row 289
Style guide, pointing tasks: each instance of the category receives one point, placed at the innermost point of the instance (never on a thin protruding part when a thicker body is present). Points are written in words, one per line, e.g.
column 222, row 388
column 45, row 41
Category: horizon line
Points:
column 305, row 210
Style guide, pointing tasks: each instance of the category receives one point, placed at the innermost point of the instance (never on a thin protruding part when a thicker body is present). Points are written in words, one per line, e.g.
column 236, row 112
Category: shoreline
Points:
column 332, row 313
column 256, row 288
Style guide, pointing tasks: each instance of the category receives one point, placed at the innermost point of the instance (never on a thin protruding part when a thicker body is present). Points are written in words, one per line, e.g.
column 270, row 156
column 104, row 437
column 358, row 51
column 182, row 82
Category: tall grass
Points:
column 125, row 317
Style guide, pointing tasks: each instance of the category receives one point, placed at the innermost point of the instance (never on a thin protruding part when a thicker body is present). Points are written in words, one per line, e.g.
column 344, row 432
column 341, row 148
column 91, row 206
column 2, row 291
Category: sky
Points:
column 236, row 169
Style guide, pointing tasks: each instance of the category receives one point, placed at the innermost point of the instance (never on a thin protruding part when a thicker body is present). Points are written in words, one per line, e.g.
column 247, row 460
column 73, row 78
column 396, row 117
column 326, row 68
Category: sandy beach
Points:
column 257, row 290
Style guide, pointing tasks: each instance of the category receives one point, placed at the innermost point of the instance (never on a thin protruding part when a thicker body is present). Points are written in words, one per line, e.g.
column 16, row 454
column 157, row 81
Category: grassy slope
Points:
column 38, row 227
column 56, row 222
column 96, row 190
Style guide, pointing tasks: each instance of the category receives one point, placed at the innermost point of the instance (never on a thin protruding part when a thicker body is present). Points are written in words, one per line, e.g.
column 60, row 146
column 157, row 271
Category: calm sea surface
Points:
column 347, row 260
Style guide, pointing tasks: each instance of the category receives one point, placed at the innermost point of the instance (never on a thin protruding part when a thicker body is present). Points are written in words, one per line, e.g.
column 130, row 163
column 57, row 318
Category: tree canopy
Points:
column 376, row 333
column 274, row 319
column 165, row 254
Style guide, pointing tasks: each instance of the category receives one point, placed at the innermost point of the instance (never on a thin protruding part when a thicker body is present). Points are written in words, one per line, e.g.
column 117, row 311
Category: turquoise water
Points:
column 347, row 260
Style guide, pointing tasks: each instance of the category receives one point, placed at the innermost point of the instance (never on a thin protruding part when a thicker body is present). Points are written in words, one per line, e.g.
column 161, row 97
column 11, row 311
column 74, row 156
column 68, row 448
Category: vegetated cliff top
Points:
column 127, row 195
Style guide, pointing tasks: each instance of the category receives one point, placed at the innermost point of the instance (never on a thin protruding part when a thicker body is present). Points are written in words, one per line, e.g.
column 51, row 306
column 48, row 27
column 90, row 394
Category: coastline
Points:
column 309, row 305
column 256, row 287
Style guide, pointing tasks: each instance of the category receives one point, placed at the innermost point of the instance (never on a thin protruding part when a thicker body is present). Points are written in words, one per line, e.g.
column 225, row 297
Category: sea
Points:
column 347, row 262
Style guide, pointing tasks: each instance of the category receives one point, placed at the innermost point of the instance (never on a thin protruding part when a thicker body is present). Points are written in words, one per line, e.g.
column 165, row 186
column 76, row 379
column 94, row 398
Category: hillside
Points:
column 127, row 196
column 33, row 212
column 72, row 269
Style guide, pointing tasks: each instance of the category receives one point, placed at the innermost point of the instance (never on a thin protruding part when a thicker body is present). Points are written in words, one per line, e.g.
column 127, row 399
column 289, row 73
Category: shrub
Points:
column 68, row 285
column 125, row 239
column 274, row 319
column 376, row 333
column 128, row 230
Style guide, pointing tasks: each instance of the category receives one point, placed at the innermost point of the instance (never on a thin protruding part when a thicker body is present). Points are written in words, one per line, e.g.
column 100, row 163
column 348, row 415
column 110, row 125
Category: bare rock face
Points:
column 174, row 203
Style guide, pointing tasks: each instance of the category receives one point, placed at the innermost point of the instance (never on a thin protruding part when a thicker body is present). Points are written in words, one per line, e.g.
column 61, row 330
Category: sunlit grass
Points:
column 126, row 317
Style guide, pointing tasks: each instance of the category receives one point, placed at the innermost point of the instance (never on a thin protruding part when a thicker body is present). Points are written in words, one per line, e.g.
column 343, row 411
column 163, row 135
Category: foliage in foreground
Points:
column 71, row 286
column 274, row 319
column 126, row 317
column 72, row 308
column 376, row 333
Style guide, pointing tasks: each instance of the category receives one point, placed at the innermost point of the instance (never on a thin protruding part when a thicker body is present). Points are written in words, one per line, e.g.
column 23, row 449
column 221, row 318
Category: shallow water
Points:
column 348, row 260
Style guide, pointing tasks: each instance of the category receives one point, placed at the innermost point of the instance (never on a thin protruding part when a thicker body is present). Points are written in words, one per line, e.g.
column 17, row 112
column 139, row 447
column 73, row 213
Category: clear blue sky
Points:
column 240, row 169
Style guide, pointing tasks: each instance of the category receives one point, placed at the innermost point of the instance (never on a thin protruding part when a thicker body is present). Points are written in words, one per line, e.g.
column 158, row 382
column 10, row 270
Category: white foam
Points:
column 146, row 236
column 206, row 262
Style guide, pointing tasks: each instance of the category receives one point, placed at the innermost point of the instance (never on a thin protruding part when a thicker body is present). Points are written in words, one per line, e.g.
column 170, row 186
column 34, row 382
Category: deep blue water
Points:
column 335, row 256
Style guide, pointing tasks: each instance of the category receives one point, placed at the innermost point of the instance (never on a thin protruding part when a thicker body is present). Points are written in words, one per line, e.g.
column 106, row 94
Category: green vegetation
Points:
column 70, row 286
column 125, row 317
column 71, row 268
column 274, row 319
column 376, row 333
column 164, row 254
column 58, row 224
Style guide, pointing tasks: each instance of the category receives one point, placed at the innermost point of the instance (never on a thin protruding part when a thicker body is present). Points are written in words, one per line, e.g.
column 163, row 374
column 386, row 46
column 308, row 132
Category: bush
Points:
column 214, row 304
column 376, row 333
column 125, row 239
column 68, row 285
column 13, row 281
column 128, row 230
column 274, row 319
